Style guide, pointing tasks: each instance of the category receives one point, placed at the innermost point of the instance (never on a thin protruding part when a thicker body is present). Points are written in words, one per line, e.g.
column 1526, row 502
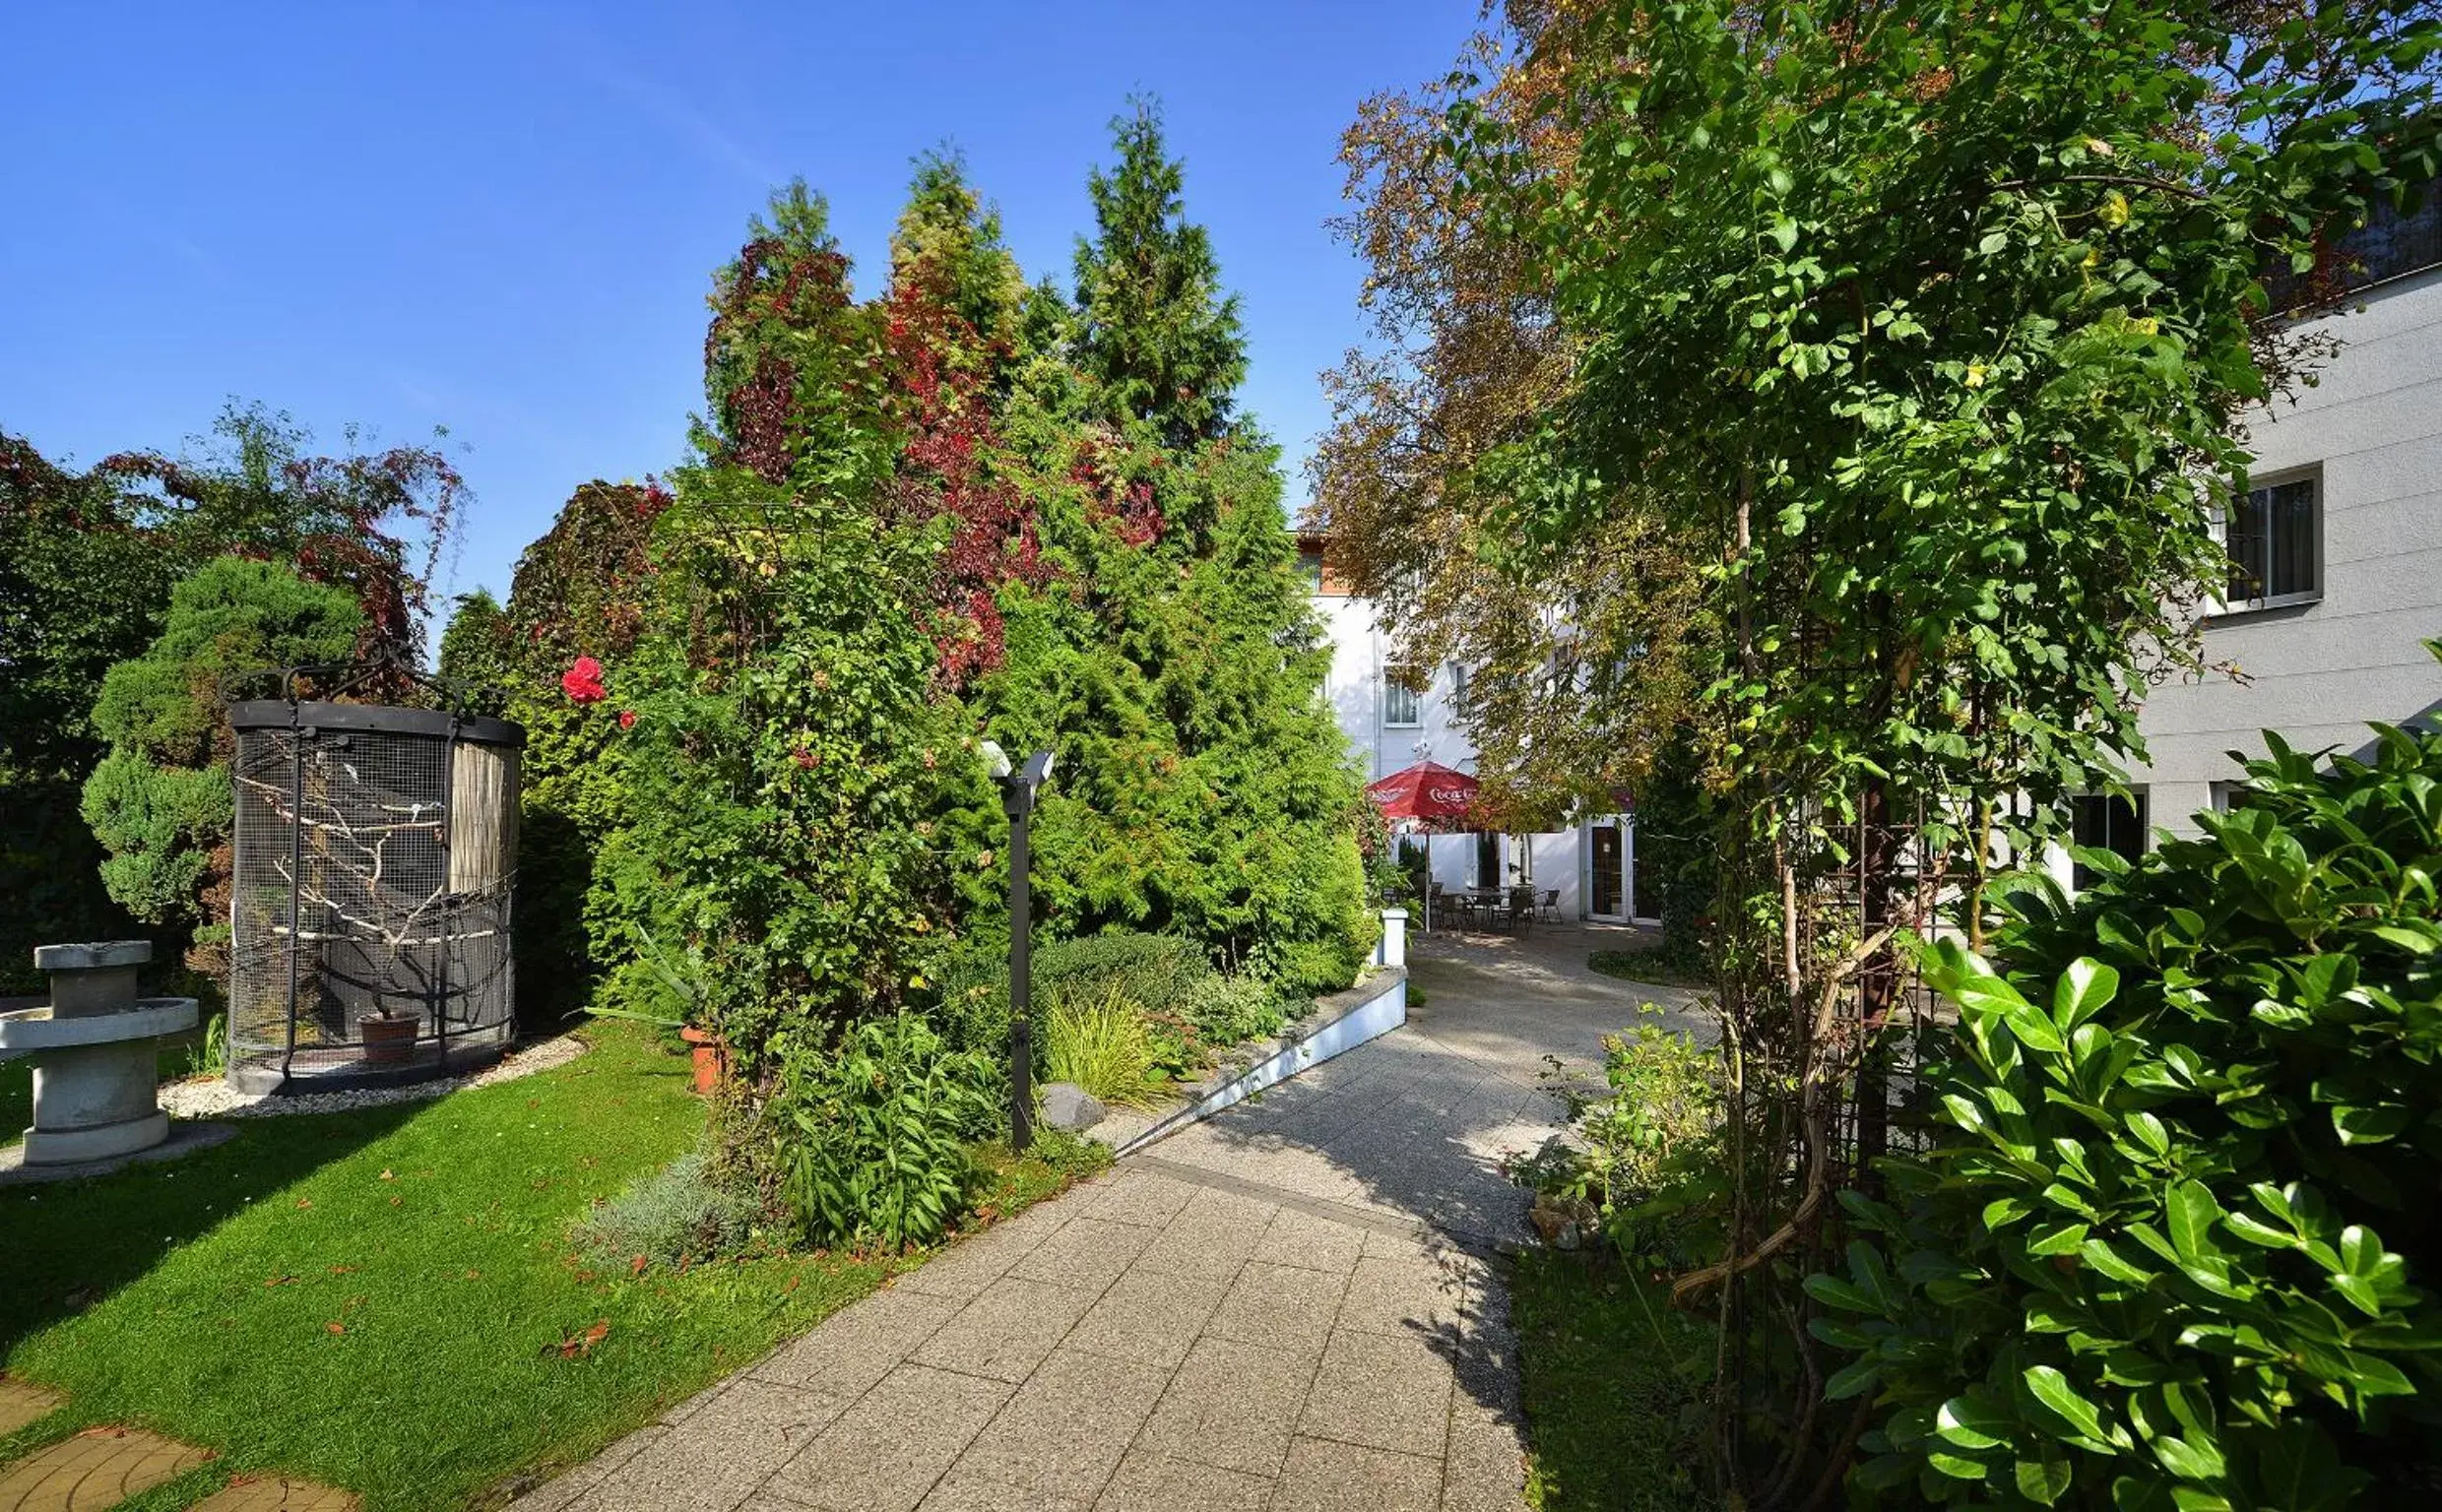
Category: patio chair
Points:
column 1438, row 906
column 1551, row 905
column 1523, row 907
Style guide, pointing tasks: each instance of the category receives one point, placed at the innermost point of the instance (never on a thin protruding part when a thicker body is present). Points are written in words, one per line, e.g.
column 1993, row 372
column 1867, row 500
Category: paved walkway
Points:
column 1295, row 1304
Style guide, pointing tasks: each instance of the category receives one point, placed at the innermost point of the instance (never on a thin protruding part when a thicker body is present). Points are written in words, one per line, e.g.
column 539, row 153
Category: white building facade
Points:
column 1393, row 721
column 2337, row 556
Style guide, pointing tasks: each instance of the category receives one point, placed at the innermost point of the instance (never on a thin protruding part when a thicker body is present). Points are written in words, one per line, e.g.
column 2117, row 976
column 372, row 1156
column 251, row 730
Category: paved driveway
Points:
column 1297, row 1304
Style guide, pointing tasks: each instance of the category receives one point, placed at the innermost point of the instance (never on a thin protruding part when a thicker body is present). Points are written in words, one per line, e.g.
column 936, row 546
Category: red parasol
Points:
column 1429, row 794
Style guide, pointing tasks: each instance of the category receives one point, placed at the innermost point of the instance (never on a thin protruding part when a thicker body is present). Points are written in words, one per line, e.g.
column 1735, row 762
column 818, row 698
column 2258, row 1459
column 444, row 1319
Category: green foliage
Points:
column 480, row 661
column 1158, row 973
column 159, row 802
column 2174, row 1238
column 81, row 588
column 1645, row 1162
column 1920, row 329
column 1155, row 330
column 209, row 1055
column 1226, row 1010
column 780, row 811
column 1101, row 1041
column 683, row 1213
column 870, row 1138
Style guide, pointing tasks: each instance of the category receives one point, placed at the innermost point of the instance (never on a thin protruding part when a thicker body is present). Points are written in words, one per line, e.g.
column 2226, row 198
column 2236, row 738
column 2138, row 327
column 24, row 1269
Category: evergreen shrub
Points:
column 2175, row 1240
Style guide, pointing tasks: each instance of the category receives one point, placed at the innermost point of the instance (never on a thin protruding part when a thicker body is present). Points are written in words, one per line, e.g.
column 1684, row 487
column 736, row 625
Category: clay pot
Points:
column 711, row 1058
column 389, row 1037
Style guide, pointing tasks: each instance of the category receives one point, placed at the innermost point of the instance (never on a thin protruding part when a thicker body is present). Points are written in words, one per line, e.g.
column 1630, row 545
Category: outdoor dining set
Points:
column 1505, row 909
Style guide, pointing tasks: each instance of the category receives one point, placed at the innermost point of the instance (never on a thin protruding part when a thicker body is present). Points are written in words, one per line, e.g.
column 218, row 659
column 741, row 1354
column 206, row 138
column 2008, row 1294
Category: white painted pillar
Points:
column 1393, row 949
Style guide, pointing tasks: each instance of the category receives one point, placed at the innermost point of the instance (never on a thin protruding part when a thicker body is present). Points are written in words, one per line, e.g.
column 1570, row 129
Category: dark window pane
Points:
column 2246, row 544
column 2290, row 517
column 2106, row 823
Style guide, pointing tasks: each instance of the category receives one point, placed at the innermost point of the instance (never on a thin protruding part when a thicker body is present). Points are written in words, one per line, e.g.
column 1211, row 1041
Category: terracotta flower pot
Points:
column 711, row 1058
column 389, row 1037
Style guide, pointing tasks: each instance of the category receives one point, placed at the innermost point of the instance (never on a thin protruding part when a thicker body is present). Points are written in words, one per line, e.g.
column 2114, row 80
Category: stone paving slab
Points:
column 97, row 1469
column 1295, row 1304
column 277, row 1493
column 22, row 1401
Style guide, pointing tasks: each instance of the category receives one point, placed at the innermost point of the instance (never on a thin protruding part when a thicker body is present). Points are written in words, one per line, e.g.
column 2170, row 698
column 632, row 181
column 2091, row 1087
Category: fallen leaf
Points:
column 635, row 1267
column 305, row 1202
column 394, row 1201
column 474, row 1275
column 334, row 1327
column 598, row 1333
column 792, row 1281
column 390, row 1176
column 280, row 1281
column 343, row 1270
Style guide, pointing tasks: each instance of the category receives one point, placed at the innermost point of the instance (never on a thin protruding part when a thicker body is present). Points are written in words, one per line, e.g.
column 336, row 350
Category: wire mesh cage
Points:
column 375, row 853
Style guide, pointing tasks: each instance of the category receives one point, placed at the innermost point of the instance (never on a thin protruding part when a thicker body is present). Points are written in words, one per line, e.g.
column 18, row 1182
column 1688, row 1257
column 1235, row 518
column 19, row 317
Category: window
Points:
column 1458, row 686
column 1310, row 567
column 1402, row 705
column 2275, row 537
column 2232, row 797
column 2105, row 821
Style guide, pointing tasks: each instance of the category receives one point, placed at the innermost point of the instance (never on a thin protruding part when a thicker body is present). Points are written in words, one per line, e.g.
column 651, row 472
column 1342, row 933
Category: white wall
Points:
column 1360, row 658
column 1360, row 655
column 2318, row 672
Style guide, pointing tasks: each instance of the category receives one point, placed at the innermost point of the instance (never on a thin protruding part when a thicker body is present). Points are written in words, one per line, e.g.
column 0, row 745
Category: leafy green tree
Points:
column 580, row 590
column 160, row 802
column 1920, row 332
column 81, row 588
column 478, row 655
column 1154, row 329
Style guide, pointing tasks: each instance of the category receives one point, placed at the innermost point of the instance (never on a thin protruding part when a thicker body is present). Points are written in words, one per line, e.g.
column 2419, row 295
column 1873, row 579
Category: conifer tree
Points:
column 1155, row 330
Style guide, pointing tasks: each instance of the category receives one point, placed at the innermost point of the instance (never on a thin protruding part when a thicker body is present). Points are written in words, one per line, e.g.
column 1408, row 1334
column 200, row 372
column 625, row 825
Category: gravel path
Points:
column 213, row 1098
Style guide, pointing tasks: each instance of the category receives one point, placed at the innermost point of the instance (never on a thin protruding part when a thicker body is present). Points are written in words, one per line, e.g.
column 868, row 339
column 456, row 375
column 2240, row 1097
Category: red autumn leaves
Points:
column 582, row 682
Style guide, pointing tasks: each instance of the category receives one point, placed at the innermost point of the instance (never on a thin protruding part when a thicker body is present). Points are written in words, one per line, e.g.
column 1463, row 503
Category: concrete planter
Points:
column 93, row 1049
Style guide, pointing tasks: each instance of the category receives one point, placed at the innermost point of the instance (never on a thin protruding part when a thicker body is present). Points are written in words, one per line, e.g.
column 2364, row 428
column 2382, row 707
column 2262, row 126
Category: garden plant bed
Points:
column 385, row 1299
column 1613, row 1423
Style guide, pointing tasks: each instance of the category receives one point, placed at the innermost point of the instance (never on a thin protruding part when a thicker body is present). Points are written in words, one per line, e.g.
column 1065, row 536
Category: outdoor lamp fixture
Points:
column 1018, row 789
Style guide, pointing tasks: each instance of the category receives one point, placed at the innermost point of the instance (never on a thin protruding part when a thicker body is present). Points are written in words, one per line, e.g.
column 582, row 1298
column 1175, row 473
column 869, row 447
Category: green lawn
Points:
column 384, row 1299
column 1612, row 1423
column 1646, row 966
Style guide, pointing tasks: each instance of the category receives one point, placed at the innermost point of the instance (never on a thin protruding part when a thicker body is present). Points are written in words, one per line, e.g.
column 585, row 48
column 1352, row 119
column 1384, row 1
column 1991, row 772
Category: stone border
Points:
column 1340, row 1022
column 217, row 1099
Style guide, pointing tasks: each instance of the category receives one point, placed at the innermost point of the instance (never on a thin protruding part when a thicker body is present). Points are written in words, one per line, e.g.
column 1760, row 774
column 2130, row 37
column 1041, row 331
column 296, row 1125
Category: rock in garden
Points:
column 1066, row 1106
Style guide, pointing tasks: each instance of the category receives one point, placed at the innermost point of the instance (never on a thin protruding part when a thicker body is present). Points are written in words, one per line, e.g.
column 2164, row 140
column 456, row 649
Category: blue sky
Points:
column 503, row 218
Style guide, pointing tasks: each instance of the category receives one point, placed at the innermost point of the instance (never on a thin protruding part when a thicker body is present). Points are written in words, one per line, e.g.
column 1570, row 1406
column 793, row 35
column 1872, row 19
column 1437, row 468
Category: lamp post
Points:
column 1018, row 790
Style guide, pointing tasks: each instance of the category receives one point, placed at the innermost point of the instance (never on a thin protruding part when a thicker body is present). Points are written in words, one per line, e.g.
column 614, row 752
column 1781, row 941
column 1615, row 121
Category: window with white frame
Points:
column 2274, row 533
column 1403, row 707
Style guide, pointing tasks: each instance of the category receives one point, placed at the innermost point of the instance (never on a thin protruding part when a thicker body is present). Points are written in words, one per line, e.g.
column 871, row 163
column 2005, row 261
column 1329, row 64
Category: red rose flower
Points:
column 627, row 719
column 582, row 682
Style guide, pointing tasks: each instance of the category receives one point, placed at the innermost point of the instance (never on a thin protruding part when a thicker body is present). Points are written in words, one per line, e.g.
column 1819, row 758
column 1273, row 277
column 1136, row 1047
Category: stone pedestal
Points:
column 93, row 1049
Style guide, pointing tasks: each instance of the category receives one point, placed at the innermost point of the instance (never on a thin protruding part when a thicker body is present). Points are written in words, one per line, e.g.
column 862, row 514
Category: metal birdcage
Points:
column 375, row 853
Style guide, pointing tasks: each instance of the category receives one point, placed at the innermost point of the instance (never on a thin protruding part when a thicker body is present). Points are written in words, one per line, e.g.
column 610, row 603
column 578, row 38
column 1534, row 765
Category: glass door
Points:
column 1609, row 870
